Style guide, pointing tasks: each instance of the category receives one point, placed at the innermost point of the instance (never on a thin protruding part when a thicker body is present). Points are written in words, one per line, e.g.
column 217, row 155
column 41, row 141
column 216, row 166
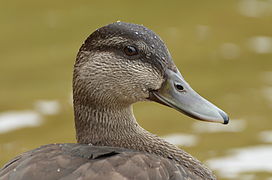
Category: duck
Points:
column 118, row 65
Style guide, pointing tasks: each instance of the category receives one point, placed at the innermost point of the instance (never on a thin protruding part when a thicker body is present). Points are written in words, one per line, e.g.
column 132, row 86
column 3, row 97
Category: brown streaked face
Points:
column 121, row 63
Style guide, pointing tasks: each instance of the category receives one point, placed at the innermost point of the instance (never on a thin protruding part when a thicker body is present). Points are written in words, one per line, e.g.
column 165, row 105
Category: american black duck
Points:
column 117, row 66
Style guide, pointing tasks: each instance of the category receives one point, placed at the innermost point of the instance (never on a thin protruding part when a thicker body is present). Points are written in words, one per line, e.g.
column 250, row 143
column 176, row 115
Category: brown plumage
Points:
column 74, row 161
column 118, row 65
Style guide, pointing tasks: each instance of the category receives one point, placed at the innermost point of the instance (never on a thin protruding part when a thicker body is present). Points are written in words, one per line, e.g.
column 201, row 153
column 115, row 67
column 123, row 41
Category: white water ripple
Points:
column 13, row 120
column 179, row 139
column 251, row 159
column 233, row 126
column 47, row 107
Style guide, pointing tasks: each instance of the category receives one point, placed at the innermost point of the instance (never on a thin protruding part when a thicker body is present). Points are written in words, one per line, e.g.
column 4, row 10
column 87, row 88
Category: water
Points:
column 181, row 139
column 223, row 49
column 245, row 160
column 13, row 120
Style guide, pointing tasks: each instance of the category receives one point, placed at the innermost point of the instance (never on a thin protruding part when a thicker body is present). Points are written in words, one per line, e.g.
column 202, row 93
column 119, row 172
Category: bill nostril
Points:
column 179, row 87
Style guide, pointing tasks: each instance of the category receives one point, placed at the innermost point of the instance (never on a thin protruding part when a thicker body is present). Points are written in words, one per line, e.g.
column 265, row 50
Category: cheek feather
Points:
column 118, row 78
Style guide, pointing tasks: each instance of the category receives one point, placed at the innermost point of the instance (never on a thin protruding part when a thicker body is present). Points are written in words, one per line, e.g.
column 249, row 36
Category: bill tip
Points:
column 225, row 117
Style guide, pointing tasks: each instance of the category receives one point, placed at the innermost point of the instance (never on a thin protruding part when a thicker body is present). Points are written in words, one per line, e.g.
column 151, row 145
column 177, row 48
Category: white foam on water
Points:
column 230, row 51
column 260, row 44
column 181, row 139
column 266, row 136
column 255, row 8
column 251, row 159
column 233, row 126
column 47, row 107
column 13, row 120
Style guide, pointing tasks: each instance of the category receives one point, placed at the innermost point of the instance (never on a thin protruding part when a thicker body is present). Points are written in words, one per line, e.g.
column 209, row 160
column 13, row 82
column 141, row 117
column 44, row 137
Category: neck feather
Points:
column 118, row 127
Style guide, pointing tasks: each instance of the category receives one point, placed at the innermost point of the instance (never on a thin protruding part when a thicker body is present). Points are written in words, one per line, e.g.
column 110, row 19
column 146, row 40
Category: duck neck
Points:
column 110, row 126
column 107, row 126
column 118, row 127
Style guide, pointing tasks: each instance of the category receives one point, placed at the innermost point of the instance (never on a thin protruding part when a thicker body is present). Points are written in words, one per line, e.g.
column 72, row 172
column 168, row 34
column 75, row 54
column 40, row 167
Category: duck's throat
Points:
column 105, row 125
column 113, row 126
column 117, row 127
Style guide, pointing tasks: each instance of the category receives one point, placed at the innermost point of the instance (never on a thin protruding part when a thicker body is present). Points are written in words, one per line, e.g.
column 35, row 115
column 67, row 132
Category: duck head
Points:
column 121, row 63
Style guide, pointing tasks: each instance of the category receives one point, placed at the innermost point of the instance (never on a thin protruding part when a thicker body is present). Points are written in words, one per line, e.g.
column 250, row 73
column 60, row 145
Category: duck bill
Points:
column 177, row 93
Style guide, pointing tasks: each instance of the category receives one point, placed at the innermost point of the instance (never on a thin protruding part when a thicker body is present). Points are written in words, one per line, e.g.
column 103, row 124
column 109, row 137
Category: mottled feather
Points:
column 85, row 162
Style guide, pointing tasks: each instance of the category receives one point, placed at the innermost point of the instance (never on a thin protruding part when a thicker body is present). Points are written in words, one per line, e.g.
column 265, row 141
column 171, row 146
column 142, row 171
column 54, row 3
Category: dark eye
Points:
column 130, row 50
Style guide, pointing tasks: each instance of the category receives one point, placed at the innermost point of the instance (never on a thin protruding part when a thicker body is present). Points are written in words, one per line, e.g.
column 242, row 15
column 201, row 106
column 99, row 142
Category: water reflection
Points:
column 181, row 139
column 260, row 44
column 233, row 126
column 267, row 93
column 47, row 107
column 13, row 120
column 251, row 159
column 266, row 77
column 255, row 8
column 203, row 32
column 266, row 136
column 230, row 51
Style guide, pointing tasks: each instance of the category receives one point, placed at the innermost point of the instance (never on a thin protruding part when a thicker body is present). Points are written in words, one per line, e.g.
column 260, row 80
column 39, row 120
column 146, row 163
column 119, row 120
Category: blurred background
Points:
column 223, row 49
